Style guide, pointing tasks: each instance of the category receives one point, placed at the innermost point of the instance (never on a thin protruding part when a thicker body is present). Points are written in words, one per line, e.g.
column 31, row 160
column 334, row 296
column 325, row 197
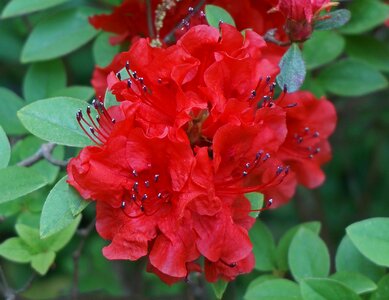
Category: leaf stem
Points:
column 44, row 152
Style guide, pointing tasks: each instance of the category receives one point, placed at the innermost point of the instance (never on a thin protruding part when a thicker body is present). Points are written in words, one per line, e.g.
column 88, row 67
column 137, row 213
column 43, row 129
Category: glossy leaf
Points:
column 308, row 256
column 326, row 289
column 59, row 34
column 369, row 50
column 359, row 283
column 43, row 79
column 214, row 14
column 41, row 262
column 56, row 213
column 10, row 103
column 293, row 71
column 84, row 93
column 103, row 51
column 365, row 15
column 371, row 238
column 5, row 149
column 256, row 200
column 219, row 287
column 333, row 20
column 348, row 258
column 264, row 247
column 54, row 120
column 21, row 7
column 351, row 78
column 286, row 239
column 322, row 48
column 16, row 250
column 19, row 181
column 280, row 289
column 382, row 292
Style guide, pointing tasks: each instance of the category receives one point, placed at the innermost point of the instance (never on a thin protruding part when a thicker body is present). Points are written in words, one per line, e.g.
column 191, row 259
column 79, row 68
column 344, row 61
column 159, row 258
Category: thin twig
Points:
column 84, row 233
column 270, row 37
column 44, row 152
column 150, row 19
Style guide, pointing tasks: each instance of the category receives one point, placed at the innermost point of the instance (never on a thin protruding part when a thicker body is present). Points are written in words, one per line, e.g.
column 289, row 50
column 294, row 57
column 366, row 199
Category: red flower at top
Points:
column 196, row 129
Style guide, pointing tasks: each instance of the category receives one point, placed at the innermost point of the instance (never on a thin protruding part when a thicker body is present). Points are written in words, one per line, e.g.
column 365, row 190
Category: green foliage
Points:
column 359, row 283
column 264, row 247
column 219, row 287
column 21, row 7
column 103, row 51
column 10, row 104
column 371, row 237
column 382, row 292
column 326, row 289
column 334, row 20
column 214, row 14
column 256, row 200
column 84, row 93
column 5, row 149
column 293, row 71
column 280, row 289
column 69, row 29
column 42, row 118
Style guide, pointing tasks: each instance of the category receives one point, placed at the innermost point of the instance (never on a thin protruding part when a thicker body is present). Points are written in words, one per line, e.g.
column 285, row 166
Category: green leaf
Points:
column 286, row 239
column 219, row 287
column 333, row 20
column 293, row 71
column 259, row 280
column 22, row 7
column 264, row 247
column 326, row 289
column 313, row 85
column 308, row 255
column 59, row 34
column 369, row 50
column 41, row 262
column 5, row 149
column 348, row 258
column 365, row 15
column 60, row 239
column 16, row 250
column 351, row 78
column 103, row 51
column 56, row 213
column 382, row 293
column 256, row 200
column 77, row 204
column 30, row 236
column 30, row 145
column 84, row 93
column 10, row 104
column 43, row 79
column 276, row 289
column 214, row 14
column 110, row 99
column 18, row 181
column 359, row 283
column 54, row 120
column 322, row 48
column 371, row 237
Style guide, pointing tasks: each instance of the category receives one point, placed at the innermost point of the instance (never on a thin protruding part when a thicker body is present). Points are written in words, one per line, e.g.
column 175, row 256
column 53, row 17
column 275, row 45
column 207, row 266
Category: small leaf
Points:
column 348, row 258
column 365, row 15
column 41, row 262
column 18, row 181
column 21, row 7
column 322, row 48
column 219, row 287
column 54, row 120
column 214, row 14
column 351, row 78
column 333, row 20
column 286, row 239
column 5, row 149
column 292, row 69
column 110, row 99
column 256, row 200
column 371, row 237
column 60, row 239
column 308, row 256
column 359, row 283
column 259, row 280
column 84, row 93
column 280, row 289
column 16, row 250
column 77, row 204
column 103, row 51
column 58, row 35
column 264, row 247
column 43, row 79
column 326, row 289
column 56, row 213
column 382, row 293
column 10, row 104
column 369, row 50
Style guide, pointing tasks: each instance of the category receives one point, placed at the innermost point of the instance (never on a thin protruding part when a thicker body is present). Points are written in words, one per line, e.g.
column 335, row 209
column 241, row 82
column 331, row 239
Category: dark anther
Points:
column 135, row 186
column 279, row 170
column 144, row 88
column 220, row 22
column 135, row 173
column 129, row 82
column 306, row 129
column 316, row 134
column 134, row 74
column 247, row 165
column 269, row 202
column 268, row 79
column 141, row 80
column 299, row 140
column 267, row 156
column 79, row 115
column 119, row 76
column 133, row 197
column 317, row 150
column 113, row 121
column 142, row 208
column 159, row 195
column 88, row 109
column 92, row 130
column 259, row 154
column 253, row 93
column 244, row 173
column 147, row 183
column 291, row 105
column 310, row 156
column 144, row 197
column 190, row 9
column 123, row 205
column 287, row 170
column 127, row 65
column 285, row 88
column 159, row 80
column 156, row 177
column 232, row 265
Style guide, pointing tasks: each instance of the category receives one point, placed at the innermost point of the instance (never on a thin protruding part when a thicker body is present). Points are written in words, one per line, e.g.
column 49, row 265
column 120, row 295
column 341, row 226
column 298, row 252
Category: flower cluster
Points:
column 198, row 126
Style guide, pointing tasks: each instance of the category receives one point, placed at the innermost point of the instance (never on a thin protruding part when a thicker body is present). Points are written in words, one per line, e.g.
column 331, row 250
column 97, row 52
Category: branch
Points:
column 84, row 233
column 270, row 37
column 150, row 25
column 44, row 152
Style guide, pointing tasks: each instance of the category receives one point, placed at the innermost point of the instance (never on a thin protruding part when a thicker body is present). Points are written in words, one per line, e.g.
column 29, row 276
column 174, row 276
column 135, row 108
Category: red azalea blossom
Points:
column 196, row 129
